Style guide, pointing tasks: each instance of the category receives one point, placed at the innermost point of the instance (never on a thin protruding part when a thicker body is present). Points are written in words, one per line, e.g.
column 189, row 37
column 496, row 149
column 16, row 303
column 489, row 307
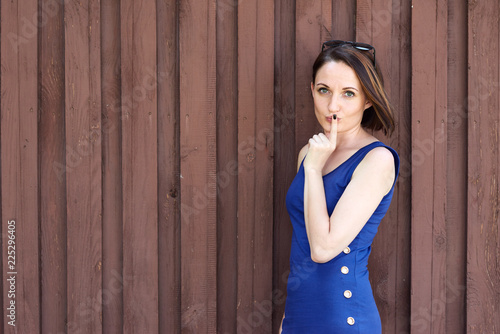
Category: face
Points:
column 337, row 90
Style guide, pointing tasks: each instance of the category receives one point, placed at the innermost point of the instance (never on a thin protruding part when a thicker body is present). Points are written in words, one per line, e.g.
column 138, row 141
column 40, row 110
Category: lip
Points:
column 329, row 119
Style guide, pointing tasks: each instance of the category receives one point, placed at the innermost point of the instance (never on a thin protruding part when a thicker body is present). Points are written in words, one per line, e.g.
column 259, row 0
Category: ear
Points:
column 368, row 104
column 312, row 88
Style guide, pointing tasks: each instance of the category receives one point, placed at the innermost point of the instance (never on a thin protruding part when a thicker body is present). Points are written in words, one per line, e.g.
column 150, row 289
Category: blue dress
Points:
column 332, row 297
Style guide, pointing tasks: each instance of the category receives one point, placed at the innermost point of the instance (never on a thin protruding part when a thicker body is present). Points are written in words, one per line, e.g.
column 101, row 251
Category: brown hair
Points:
column 379, row 116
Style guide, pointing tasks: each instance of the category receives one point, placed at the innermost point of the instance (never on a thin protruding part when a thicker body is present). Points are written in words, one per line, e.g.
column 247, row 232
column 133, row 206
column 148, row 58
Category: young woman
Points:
column 342, row 190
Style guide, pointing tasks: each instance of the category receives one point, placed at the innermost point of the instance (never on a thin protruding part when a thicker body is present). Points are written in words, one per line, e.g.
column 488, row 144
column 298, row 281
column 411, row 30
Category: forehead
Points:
column 335, row 72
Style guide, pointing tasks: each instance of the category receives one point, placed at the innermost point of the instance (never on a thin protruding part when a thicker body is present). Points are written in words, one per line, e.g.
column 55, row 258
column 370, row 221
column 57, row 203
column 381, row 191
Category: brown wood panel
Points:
column 83, row 181
column 139, row 166
column 483, row 238
column 19, row 174
column 112, row 205
column 263, row 164
column 456, row 176
column 198, row 165
column 285, row 154
column 439, row 255
column 343, row 20
column 399, row 217
column 423, row 57
column 385, row 25
column 52, row 168
column 169, row 288
column 255, row 149
column 227, row 159
column 429, row 168
column 185, row 238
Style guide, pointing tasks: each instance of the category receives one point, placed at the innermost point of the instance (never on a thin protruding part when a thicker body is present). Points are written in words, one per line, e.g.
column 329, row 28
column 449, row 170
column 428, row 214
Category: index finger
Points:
column 333, row 130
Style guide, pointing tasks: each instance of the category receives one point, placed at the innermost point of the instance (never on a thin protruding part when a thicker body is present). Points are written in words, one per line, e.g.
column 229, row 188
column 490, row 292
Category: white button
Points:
column 344, row 270
column 350, row 321
column 347, row 294
column 347, row 250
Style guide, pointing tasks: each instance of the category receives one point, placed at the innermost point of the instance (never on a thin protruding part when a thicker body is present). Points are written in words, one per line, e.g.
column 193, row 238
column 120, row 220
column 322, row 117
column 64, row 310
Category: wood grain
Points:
column 83, row 150
column 227, row 166
column 19, row 174
column 284, row 134
column 255, row 151
column 457, row 168
column 169, row 261
column 198, row 165
column 53, row 168
column 139, row 166
column 483, row 238
column 112, row 204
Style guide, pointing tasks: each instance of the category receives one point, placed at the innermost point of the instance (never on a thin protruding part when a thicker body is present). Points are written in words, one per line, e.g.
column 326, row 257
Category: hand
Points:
column 321, row 147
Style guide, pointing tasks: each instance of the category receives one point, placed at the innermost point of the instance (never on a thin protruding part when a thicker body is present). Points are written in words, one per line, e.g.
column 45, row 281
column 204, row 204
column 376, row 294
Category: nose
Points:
column 333, row 105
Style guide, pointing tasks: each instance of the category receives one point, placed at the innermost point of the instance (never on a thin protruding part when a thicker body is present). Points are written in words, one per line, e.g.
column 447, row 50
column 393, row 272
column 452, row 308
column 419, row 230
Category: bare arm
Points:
column 371, row 181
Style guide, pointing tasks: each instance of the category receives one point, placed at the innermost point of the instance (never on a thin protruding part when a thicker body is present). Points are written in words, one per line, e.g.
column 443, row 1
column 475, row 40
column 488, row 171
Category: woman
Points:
column 342, row 190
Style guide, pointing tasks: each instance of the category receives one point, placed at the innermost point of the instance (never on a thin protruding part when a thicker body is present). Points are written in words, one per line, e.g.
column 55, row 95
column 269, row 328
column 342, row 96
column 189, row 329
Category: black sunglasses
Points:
column 356, row 45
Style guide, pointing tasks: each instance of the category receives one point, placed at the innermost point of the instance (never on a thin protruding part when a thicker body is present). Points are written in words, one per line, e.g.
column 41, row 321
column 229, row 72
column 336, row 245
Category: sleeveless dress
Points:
column 336, row 296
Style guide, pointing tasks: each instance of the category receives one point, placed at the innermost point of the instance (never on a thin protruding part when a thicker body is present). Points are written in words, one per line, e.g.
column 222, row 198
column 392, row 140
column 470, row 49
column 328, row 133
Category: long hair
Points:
column 380, row 115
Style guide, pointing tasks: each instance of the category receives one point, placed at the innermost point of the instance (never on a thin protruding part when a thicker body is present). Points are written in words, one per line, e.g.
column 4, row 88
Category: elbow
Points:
column 320, row 255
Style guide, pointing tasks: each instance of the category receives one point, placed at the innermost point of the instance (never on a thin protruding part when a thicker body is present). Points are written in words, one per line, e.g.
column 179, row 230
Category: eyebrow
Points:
column 345, row 88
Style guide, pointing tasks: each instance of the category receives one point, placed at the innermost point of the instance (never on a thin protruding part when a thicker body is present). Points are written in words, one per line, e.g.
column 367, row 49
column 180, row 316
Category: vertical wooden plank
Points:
column 483, row 239
column 198, row 165
column 84, row 182
column 423, row 86
column 19, row 174
column 439, row 254
column 400, row 214
column 112, row 205
column 385, row 25
column 263, row 164
column 139, row 166
column 169, row 291
column 284, row 134
column 53, row 167
column 457, row 168
column 255, row 149
column 227, row 159
column 429, row 168
column 343, row 21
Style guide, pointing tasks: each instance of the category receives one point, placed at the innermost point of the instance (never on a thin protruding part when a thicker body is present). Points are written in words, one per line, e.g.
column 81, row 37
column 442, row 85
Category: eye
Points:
column 349, row 93
column 323, row 90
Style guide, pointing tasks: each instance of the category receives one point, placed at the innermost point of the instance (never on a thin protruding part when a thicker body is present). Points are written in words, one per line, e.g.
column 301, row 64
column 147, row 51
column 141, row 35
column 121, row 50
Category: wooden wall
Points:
column 147, row 147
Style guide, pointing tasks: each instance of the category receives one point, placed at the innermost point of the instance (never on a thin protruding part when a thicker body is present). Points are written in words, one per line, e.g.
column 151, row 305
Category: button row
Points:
column 347, row 293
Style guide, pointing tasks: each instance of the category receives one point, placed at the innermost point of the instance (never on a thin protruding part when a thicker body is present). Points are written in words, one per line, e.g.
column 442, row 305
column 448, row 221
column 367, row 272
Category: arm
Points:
column 371, row 181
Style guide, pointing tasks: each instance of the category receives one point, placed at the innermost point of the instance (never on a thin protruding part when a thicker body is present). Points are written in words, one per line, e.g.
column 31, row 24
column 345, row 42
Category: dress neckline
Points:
column 351, row 157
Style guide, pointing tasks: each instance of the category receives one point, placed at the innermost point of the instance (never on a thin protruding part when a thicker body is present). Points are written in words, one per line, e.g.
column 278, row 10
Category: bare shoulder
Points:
column 302, row 154
column 378, row 165
column 380, row 156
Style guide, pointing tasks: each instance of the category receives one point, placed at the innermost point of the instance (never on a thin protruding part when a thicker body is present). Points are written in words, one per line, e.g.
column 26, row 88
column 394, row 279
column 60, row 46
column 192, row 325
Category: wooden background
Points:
column 147, row 147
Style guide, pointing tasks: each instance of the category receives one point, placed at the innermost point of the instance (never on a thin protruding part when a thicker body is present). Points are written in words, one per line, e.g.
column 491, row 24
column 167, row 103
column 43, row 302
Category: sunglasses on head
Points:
column 356, row 45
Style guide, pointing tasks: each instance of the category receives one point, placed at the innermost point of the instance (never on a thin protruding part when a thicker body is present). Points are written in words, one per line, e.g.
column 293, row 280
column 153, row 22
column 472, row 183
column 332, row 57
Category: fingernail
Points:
column 334, row 116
